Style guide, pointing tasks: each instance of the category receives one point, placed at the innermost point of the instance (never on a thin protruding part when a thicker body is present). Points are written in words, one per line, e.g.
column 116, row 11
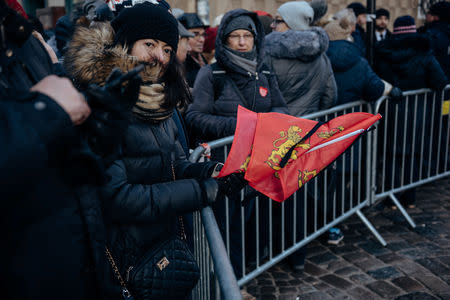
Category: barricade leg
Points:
column 371, row 228
column 402, row 210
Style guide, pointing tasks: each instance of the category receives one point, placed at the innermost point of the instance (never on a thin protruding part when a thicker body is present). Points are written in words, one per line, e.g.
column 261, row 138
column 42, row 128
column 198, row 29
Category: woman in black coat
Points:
column 153, row 183
column 238, row 78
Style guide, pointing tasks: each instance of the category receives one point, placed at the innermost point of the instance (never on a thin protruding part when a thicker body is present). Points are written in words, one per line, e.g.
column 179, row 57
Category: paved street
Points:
column 414, row 265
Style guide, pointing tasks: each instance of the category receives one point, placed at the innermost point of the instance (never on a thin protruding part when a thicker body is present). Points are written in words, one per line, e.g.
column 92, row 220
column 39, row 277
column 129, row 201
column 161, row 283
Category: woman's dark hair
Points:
column 176, row 88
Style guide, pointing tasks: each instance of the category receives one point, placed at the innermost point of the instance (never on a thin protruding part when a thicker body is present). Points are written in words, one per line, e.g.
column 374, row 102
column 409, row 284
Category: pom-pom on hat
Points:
column 146, row 21
column 404, row 24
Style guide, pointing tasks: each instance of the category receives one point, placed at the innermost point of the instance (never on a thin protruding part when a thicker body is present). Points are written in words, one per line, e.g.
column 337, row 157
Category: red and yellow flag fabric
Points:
column 262, row 140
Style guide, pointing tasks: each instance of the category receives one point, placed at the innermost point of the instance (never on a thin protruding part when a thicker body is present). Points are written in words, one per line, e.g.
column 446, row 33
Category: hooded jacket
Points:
column 406, row 61
column 142, row 198
column 355, row 79
column 213, row 114
column 303, row 69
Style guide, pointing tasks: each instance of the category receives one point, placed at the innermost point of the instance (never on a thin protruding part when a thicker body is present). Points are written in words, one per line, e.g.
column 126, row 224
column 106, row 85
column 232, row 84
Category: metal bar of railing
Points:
column 223, row 270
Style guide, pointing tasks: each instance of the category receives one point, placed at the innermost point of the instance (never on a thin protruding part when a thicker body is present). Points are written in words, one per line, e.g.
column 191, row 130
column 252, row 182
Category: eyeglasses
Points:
column 199, row 34
column 247, row 36
column 277, row 21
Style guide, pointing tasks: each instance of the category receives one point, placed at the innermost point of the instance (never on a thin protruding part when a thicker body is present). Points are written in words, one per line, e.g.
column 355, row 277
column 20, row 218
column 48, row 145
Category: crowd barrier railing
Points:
column 410, row 147
column 258, row 232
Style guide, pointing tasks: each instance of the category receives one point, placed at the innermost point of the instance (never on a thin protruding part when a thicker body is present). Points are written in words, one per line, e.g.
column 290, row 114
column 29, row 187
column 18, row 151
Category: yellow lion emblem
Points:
column 328, row 134
column 304, row 176
column 288, row 138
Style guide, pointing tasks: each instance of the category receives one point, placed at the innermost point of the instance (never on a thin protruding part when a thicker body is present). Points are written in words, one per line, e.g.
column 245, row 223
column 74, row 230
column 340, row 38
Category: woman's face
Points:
column 278, row 24
column 150, row 50
column 241, row 40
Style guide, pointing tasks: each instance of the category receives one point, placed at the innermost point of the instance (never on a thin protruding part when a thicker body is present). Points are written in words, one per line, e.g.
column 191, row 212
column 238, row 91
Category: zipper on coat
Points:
column 127, row 277
column 255, row 90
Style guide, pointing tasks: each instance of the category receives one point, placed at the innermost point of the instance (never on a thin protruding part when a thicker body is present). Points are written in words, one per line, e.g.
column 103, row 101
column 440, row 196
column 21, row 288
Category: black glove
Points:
column 210, row 188
column 111, row 106
column 231, row 184
column 396, row 94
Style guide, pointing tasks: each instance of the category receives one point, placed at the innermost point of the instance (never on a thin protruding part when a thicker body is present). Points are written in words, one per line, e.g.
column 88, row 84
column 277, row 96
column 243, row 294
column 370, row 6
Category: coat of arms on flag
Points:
column 280, row 153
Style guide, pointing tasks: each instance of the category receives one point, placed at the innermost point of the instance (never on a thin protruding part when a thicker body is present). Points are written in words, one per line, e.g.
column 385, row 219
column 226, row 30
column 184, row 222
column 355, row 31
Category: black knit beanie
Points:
column 145, row 21
column 240, row 22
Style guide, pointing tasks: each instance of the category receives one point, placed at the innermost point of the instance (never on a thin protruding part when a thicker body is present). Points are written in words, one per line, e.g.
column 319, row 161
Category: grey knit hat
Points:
column 241, row 22
column 298, row 15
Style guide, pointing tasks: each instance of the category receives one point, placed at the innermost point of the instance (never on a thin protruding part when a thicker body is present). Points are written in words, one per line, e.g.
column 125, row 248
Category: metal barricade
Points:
column 412, row 146
column 259, row 232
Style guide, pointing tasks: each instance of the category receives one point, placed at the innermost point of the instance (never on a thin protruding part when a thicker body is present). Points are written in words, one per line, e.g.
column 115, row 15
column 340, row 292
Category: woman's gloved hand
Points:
column 396, row 94
column 231, row 184
column 210, row 188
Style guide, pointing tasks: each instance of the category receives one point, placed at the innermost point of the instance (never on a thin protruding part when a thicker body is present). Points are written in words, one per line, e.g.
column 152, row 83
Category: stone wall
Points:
column 396, row 7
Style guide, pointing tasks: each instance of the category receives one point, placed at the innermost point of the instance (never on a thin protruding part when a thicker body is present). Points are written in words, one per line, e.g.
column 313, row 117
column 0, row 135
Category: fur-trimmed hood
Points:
column 90, row 57
column 305, row 45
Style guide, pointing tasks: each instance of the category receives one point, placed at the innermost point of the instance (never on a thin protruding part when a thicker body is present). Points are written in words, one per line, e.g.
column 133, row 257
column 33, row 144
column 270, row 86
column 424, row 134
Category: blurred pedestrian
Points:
column 195, row 60
column 354, row 77
column 381, row 23
column 406, row 60
column 296, row 52
column 437, row 28
column 359, row 35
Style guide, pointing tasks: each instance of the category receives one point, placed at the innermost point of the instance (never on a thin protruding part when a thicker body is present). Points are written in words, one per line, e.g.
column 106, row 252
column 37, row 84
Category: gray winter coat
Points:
column 302, row 68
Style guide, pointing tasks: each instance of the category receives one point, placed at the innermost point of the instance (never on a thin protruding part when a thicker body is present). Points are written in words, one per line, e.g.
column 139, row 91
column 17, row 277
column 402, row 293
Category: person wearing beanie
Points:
column 195, row 60
column 381, row 23
column 437, row 28
column 296, row 51
column 359, row 34
column 239, row 77
column 406, row 59
column 142, row 198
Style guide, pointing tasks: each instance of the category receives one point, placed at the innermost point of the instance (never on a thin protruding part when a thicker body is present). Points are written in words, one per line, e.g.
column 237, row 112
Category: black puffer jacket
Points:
column 406, row 61
column 141, row 200
column 213, row 114
column 50, row 221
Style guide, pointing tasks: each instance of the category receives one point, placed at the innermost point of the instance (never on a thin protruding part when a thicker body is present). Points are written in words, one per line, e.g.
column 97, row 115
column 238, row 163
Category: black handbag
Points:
column 167, row 271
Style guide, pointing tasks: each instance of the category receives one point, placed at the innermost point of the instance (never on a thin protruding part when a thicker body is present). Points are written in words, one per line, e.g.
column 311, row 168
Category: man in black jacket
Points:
column 381, row 22
column 53, row 234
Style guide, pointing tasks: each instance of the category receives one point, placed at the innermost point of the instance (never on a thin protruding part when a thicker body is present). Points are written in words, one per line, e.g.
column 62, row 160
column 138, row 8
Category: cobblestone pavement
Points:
column 414, row 265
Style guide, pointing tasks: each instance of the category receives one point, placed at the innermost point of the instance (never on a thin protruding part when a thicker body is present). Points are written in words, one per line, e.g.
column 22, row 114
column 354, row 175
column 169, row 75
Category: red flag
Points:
column 272, row 139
